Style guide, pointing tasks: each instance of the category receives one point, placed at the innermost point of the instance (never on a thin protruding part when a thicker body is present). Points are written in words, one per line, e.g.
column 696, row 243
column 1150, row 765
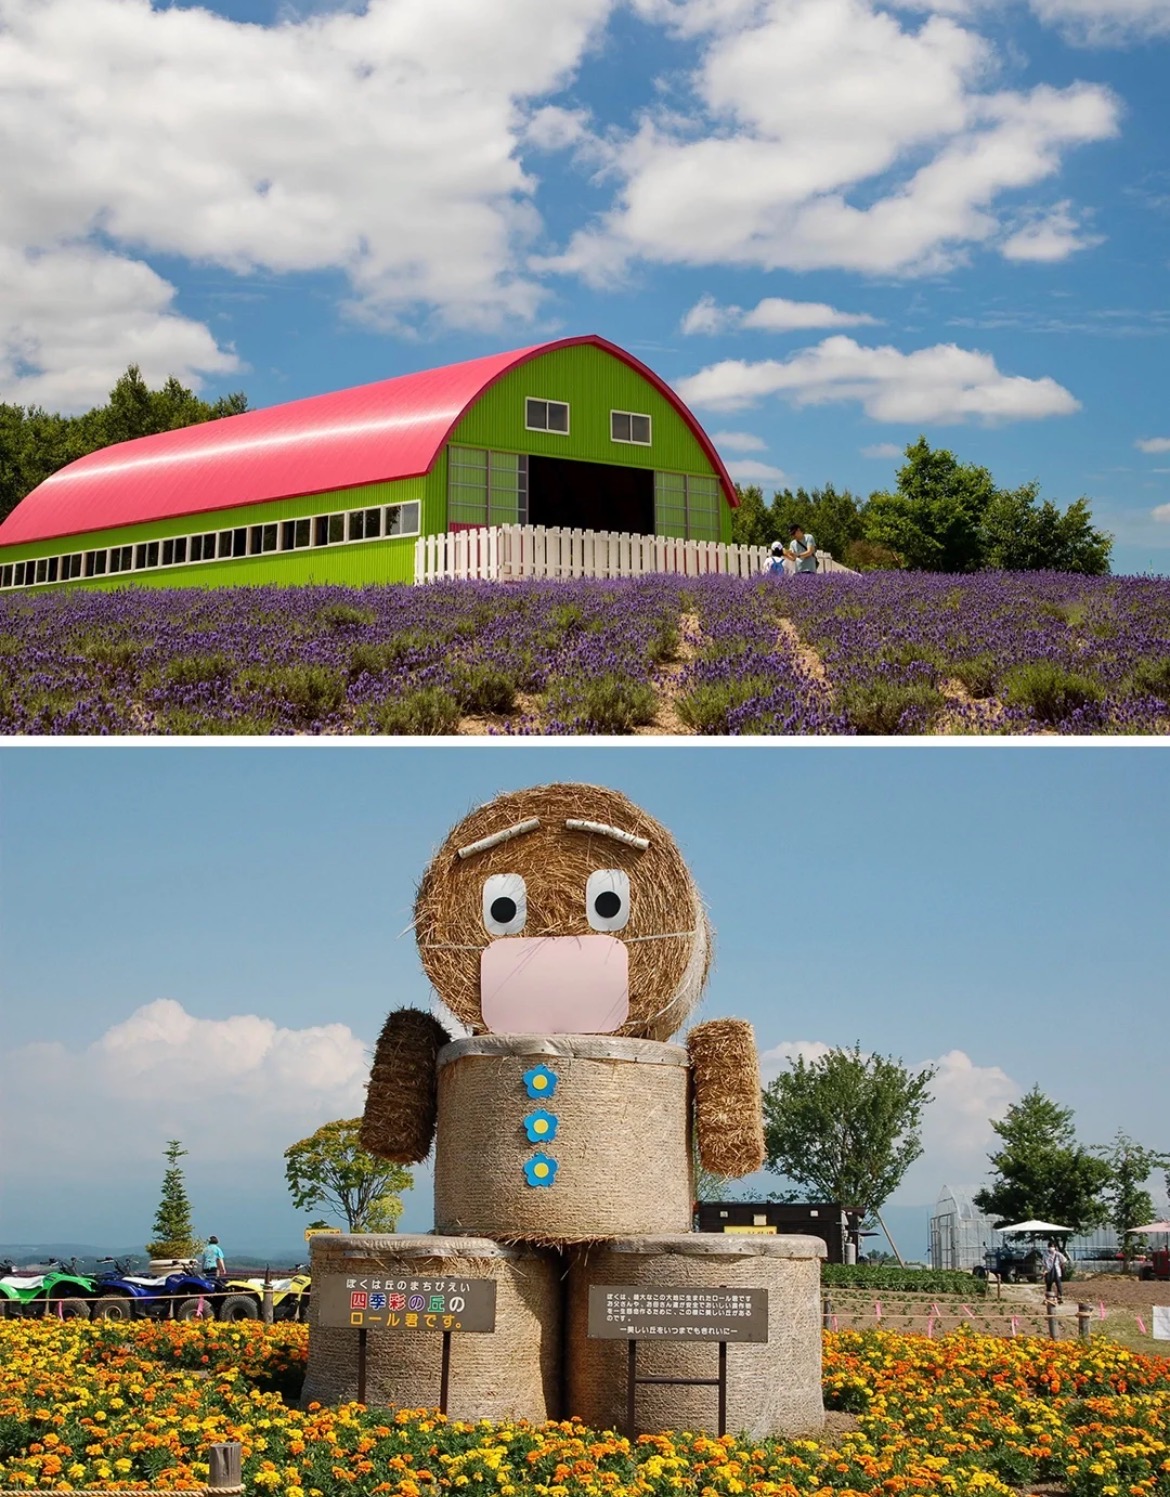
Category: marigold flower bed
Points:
column 90, row 1405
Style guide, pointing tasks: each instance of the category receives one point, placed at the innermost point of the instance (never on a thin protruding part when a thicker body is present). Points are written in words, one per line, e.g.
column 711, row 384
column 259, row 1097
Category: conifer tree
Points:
column 173, row 1235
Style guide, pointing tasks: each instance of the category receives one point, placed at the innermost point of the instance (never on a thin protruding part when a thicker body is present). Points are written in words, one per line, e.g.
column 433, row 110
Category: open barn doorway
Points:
column 590, row 496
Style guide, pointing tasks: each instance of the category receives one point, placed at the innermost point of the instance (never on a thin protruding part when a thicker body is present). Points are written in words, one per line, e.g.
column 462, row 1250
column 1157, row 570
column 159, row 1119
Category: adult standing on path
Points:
column 212, row 1259
column 803, row 549
column 1053, row 1261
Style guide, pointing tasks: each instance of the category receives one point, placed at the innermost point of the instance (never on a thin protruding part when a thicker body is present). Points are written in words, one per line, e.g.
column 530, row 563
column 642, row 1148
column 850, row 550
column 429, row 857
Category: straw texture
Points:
column 399, row 1119
column 510, row 1373
column 773, row 1388
column 621, row 1142
column 729, row 1121
column 667, row 972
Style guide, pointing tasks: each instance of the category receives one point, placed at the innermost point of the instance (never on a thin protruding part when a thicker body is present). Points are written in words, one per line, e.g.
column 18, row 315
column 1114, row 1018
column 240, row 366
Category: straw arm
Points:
column 729, row 1124
column 401, row 1099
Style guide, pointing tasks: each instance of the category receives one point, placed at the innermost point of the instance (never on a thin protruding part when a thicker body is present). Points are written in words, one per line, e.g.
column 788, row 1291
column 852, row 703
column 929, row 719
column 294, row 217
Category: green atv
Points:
column 54, row 1288
column 245, row 1298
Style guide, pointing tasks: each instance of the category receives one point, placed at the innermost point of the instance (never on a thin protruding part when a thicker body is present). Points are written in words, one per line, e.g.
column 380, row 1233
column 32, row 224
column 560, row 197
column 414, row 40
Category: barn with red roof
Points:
column 337, row 488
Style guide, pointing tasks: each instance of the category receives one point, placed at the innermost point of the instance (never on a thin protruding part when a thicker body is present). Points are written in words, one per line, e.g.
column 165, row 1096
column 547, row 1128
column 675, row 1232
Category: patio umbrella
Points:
column 1153, row 1227
column 1036, row 1228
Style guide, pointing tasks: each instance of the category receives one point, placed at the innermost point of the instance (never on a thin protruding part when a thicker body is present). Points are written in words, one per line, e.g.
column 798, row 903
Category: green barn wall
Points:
column 592, row 382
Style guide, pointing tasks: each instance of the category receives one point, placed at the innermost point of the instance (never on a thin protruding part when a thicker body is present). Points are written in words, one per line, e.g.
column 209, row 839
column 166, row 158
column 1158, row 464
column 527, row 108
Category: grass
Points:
column 1053, row 692
column 884, row 708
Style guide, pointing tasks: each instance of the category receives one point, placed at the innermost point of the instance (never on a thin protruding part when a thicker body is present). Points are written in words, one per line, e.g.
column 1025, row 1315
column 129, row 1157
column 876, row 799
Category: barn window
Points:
column 546, row 415
column 486, row 488
column 95, row 564
column 6, row 576
column 121, row 558
column 203, row 547
column 687, row 505
column 71, row 566
column 626, row 426
column 174, row 552
column 403, row 519
column 295, row 534
column 263, row 539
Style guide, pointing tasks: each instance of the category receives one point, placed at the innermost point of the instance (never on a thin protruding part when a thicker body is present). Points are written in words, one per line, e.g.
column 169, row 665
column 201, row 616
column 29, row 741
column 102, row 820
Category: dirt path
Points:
column 667, row 722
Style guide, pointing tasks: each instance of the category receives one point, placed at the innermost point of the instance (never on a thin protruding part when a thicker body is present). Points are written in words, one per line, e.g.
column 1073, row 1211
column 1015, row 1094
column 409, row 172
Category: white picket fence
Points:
column 505, row 553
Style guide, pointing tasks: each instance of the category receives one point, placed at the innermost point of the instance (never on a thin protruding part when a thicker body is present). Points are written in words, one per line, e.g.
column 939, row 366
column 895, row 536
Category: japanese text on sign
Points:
column 621, row 1312
column 389, row 1302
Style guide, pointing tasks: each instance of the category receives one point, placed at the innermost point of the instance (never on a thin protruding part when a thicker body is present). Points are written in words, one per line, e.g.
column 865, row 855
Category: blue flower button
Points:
column 541, row 1127
column 540, row 1081
column 540, row 1170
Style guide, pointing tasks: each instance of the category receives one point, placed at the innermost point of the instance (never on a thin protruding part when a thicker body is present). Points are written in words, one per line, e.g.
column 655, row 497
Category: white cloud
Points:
column 381, row 142
column 1048, row 237
column 956, row 1128
column 882, row 449
column 1106, row 22
column 944, row 384
column 807, row 102
column 739, row 441
column 1153, row 444
column 71, row 320
column 1162, row 514
column 774, row 314
column 237, row 1086
column 748, row 470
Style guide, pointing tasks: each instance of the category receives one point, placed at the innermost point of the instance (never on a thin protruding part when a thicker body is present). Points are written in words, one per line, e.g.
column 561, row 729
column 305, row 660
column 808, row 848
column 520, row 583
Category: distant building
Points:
column 837, row 1227
column 575, row 434
column 959, row 1232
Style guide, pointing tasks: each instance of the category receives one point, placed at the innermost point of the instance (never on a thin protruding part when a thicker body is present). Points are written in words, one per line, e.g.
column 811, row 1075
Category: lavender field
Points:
column 884, row 653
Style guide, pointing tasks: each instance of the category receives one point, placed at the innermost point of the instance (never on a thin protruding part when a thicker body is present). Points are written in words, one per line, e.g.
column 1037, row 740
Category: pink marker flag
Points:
column 1141, row 1325
column 930, row 1327
column 1015, row 1326
column 834, row 1322
column 877, row 1309
column 969, row 1311
column 1101, row 1310
column 934, row 1310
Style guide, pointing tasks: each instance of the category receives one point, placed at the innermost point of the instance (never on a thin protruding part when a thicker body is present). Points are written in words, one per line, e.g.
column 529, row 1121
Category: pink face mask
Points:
column 554, row 985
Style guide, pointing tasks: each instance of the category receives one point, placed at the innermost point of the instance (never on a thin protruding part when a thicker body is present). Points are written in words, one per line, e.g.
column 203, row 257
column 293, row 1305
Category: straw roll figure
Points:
column 562, row 928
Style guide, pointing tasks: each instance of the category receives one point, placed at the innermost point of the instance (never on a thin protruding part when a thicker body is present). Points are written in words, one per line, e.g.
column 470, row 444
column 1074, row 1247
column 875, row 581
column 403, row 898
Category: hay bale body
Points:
column 511, row 1373
column 728, row 1107
column 399, row 1118
column 622, row 1110
column 773, row 1388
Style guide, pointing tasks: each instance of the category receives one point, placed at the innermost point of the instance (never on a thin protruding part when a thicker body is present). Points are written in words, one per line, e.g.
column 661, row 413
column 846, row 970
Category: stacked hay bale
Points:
column 561, row 926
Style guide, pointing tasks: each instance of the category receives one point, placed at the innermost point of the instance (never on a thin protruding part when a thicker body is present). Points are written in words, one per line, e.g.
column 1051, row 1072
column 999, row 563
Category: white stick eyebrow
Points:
column 641, row 843
column 497, row 837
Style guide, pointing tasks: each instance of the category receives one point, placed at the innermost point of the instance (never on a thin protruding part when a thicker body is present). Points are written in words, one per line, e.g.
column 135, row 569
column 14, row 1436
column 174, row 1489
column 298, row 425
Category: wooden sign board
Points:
column 619, row 1312
column 379, row 1301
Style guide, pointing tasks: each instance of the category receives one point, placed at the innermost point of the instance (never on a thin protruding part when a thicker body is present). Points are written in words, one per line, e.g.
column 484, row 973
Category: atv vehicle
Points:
column 1011, row 1264
column 53, row 1288
column 185, row 1295
column 1158, row 1266
column 290, row 1298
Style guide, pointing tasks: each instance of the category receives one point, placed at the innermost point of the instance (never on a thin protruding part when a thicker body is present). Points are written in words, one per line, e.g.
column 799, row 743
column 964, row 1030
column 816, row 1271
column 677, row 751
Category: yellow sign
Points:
column 311, row 1232
column 752, row 1231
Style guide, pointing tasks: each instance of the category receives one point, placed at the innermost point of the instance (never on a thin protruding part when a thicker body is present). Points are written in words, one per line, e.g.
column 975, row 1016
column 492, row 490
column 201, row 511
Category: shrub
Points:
column 976, row 673
column 376, row 659
column 1151, row 678
column 663, row 646
column 484, row 688
column 886, row 707
column 707, row 707
column 429, row 711
column 872, row 556
column 198, row 670
column 308, row 692
column 606, row 704
column 114, row 654
column 1052, row 691
column 344, row 616
column 891, row 1278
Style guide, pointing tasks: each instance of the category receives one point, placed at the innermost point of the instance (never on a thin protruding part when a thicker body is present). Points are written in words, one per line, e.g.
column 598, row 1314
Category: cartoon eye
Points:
column 607, row 899
column 505, row 904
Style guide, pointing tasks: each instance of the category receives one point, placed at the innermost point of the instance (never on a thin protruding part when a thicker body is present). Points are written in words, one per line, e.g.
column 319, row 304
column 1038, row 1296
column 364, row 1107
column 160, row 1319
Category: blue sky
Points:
column 832, row 224
column 203, row 944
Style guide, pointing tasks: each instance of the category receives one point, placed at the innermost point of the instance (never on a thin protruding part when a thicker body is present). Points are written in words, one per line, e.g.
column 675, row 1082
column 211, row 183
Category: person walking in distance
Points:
column 1052, row 1262
column 211, row 1260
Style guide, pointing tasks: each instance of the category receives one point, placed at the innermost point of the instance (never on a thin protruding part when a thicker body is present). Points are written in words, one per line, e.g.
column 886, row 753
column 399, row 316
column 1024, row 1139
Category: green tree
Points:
column 934, row 519
column 1022, row 535
column 846, row 1125
column 751, row 523
column 34, row 443
column 331, row 1169
column 1041, row 1172
column 173, row 1236
column 1129, row 1203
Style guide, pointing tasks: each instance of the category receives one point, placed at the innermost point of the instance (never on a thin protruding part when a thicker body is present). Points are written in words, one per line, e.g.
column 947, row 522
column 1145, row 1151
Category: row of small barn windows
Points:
column 553, row 415
column 219, row 545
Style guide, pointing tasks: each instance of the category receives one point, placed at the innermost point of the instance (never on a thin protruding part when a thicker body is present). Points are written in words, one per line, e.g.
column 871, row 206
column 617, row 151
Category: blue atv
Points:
column 183, row 1295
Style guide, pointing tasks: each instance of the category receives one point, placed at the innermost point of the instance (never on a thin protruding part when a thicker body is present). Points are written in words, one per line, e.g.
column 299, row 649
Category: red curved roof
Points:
column 395, row 428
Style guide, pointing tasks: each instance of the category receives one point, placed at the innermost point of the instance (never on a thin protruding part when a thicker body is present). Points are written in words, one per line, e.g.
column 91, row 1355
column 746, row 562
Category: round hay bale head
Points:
column 527, row 833
column 773, row 1387
column 595, row 1146
column 510, row 1373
